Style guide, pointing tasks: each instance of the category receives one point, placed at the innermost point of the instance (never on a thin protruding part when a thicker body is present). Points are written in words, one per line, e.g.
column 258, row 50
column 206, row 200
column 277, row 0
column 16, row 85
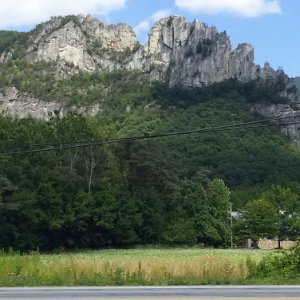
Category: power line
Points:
column 89, row 143
column 175, row 133
column 60, row 144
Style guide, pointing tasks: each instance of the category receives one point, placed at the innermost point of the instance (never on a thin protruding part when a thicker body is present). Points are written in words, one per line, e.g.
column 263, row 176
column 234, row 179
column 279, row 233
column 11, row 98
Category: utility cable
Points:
column 89, row 143
column 59, row 144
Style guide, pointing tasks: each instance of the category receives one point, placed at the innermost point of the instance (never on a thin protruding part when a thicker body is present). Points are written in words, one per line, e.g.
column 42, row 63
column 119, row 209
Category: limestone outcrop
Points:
column 177, row 51
column 22, row 105
column 194, row 54
column 289, row 118
column 82, row 42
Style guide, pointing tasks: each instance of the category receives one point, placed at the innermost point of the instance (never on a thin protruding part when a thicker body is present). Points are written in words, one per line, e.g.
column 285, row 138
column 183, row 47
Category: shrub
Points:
column 285, row 263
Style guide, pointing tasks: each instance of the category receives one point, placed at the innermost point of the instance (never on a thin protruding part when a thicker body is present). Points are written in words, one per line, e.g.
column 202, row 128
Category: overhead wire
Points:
column 89, row 143
column 175, row 133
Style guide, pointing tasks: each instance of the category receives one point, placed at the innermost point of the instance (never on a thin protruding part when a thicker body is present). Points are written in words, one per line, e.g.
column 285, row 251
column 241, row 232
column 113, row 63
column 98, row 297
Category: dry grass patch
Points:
column 145, row 266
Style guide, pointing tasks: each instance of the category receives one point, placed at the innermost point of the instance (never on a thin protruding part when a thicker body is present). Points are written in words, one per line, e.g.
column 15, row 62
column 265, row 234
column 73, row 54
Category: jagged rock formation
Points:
column 79, row 41
column 191, row 54
column 179, row 52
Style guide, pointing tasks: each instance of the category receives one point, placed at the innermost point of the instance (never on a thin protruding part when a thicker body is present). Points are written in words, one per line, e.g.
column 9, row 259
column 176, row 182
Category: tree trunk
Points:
column 90, row 166
column 72, row 159
column 279, row 245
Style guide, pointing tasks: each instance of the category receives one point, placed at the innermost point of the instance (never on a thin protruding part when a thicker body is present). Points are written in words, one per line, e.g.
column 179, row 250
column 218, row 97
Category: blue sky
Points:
column 271, row 26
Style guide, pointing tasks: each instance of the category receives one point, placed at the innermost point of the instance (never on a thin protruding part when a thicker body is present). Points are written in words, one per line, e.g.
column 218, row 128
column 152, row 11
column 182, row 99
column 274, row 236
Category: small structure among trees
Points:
column 274, row 215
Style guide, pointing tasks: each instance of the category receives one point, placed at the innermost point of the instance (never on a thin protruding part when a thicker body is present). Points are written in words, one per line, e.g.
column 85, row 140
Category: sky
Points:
column 269, row 25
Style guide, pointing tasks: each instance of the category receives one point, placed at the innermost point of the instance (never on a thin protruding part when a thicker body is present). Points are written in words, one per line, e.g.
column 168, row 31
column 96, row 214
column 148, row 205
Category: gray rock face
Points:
column 193, row 54
column 21, row 105
column 4, row 57
column 177, row 51
column 289, row 122
column 17, row 105
column 81, row 42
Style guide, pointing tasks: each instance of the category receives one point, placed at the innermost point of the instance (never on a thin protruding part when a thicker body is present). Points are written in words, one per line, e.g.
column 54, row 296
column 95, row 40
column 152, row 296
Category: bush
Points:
column 285, row 263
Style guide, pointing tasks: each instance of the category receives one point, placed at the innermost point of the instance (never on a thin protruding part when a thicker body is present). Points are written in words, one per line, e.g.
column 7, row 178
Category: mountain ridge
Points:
column 66, row 95
column 177, row 51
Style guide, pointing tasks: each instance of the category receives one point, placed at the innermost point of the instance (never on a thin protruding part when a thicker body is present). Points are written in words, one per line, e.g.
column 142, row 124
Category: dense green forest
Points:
column 173, row 190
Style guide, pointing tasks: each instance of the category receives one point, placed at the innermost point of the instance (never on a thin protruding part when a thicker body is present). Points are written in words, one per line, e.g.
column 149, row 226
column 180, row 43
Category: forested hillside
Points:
column 90, row 150
column 170, row 190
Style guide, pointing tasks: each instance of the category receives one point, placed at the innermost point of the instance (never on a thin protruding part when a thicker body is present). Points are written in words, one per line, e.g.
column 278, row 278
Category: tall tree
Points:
column 260, row 219
column 287, row 206
column 200, row 213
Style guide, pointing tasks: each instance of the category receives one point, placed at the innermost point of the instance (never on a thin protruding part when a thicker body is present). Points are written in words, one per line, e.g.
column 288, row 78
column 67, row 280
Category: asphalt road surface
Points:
column 179, row 292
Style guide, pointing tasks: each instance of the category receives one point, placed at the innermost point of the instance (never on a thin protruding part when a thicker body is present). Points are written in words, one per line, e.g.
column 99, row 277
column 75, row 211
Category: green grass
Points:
column 128, row 267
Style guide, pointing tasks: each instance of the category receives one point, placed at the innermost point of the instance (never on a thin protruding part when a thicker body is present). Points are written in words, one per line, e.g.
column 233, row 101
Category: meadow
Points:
column 128, row 267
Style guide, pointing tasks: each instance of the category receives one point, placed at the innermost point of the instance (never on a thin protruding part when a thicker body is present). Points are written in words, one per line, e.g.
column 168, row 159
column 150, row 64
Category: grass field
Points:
column 128, row 267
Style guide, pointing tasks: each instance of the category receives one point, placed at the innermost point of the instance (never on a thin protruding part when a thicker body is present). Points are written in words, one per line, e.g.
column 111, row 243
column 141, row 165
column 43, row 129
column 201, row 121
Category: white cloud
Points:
column 146, row 24
column 141, row 27
column 160, row 14
column 26, row 12
column 244, row 8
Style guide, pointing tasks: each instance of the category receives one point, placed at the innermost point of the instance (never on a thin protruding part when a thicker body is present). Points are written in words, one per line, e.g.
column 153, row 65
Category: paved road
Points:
column 180, row 292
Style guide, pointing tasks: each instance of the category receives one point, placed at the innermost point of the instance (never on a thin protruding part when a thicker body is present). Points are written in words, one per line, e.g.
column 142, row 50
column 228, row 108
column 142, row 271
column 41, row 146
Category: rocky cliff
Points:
column 22, row 105
column 194, row 54
column 82, row 42
column 289, row 118
column 177, row 51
